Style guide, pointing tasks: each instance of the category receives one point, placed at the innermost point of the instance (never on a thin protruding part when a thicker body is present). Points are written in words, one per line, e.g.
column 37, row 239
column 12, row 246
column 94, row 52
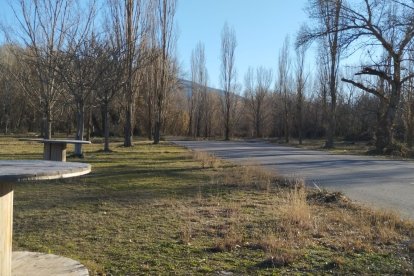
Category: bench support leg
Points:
column 6, row 227
column 55, row 151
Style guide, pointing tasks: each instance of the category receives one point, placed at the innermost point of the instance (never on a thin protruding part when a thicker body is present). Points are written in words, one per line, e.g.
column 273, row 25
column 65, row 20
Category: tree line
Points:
column 101, row 69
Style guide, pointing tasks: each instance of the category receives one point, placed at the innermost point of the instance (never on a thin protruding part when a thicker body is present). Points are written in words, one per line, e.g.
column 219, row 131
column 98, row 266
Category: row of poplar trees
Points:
column 82, row 53
column 85, row 53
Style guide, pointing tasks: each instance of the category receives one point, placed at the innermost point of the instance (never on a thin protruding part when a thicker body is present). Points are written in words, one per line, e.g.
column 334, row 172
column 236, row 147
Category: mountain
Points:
column 187, row 87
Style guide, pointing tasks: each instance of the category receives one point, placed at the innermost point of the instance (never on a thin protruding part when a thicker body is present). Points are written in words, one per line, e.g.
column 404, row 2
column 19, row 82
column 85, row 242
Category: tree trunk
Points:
column 409, row 126
column 149, row 129
column 157, row 134
column 6, row 125
column 80, row 127
column 227, row 126
column 43, row 128
column 128, row 135
column 198, row 122
column 89, row 124
column 48, row 125
column 409, row 137
column 300, row 123
column 258, row 134
column 106, row 127
column 158, row 125
column 385, row 129
column 257, row 124
column 190, row 124
column 384, row 137
column 330, row 131
column 287, row 130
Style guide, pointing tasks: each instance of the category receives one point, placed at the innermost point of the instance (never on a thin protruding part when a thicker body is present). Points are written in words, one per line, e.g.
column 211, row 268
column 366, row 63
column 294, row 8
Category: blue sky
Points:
column 260, row 25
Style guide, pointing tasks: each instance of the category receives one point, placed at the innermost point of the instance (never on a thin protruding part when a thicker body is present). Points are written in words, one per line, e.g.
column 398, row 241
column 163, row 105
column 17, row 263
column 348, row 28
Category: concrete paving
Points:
column 37, row 264
column 374, row 181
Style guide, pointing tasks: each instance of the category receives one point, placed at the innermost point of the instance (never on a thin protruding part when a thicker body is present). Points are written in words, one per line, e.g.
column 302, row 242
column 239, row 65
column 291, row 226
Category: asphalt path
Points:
column 374, row 181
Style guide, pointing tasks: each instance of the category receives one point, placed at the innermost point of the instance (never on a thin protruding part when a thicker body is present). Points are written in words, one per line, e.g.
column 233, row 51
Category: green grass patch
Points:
column 159, row 209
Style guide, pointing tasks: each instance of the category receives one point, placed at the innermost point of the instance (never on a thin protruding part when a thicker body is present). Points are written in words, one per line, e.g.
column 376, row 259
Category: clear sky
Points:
column 260, row 25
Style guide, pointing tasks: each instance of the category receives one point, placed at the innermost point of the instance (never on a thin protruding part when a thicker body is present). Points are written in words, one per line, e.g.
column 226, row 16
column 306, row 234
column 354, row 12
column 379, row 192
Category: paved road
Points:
column 374, row 181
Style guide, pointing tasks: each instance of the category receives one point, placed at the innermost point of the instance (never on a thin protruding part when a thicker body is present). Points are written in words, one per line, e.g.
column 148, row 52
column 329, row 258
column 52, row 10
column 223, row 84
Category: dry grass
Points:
column 297, row 218
column 161, row 210
column 411, row 246
column 206, row 160
column 296, row 210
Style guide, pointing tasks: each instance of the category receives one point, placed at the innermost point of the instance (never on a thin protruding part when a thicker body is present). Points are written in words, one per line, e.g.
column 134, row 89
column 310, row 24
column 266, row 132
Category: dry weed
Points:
column 206, row 160
column 280, row 259
column 229, row 242
column 230, row 234
column 271, row 244
column 411, row 246
column 337, row 262
column 188, row 218
column 255, row 175
column 296, row 209
column 384, row 225
column 186, row 233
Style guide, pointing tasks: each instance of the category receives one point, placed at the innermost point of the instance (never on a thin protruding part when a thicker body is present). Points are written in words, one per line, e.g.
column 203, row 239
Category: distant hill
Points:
column 187, row 87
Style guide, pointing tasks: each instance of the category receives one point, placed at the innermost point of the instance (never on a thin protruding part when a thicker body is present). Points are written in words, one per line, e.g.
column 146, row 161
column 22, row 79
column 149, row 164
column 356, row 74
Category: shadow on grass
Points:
column 127, row 185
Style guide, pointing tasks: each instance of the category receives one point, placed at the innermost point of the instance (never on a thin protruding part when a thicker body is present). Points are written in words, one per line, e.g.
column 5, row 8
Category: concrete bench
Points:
column 54, row 149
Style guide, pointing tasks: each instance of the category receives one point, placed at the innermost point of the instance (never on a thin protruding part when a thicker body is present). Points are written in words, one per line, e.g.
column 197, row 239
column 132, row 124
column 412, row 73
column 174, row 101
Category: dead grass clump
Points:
column 272, row 244
column 296, row 209
column 226, row 244
column 252, row 176
column 247, row 174
column 280, row 259
column 188, row 219
column 323, row 197
column 262, row 179
column 206, row 160
column 229, row 234
column 336, row 263
column 355, row 229
column 229, row 237
column 384, row 225
column 411, row 246
column 185, row 234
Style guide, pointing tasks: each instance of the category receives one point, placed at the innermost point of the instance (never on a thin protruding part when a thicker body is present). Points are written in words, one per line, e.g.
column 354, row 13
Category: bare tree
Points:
column 386, row 25
column 44, row 28
column 198, row 99
column 127, row 27
column 228, row 77
column 323, row 84
column 283, row 86
column 13, row 103
column 109, row 76
column 327, row 14
column 300, row 78
column 408, row 105
column 77, row 68
column 149, row 86
column 165, row 39
column 257, row 90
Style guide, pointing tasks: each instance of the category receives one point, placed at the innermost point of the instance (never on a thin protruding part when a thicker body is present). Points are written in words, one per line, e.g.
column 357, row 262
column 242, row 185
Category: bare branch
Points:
column 374, row 72
column 364, row 88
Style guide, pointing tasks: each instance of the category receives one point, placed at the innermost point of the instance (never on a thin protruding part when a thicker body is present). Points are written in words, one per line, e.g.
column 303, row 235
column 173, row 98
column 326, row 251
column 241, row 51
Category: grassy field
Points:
column 159, row 209
column 341, row 146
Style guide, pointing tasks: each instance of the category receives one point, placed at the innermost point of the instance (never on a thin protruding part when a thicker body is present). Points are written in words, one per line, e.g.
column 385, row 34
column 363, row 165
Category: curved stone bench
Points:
column 37, row 264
